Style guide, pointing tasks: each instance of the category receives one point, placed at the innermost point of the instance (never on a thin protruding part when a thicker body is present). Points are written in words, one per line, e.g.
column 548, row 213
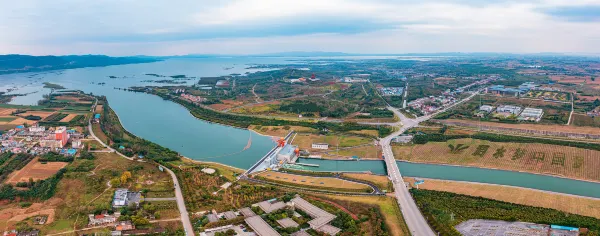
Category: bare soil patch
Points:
column 20, row 121
column 42, row 114
column 68, row 118
column 99, row 109
column 36, row 171
column 220, row 107
column 309, row 181
column 6, row 111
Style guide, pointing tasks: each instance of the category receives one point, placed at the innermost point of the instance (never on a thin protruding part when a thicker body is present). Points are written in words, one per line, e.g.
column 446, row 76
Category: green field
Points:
column 445, row 210
column 7, row 119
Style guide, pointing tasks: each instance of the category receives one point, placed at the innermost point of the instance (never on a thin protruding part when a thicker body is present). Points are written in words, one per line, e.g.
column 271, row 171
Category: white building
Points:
column 323, row 146
column 123, row 197
column 486, row 108
column 509, row 109
column 76, row 144
column 287, row 153
column 531, row 114
column 37, row 129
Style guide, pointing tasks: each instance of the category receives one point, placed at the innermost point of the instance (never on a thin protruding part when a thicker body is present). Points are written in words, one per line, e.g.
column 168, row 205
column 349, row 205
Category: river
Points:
column 172, row 126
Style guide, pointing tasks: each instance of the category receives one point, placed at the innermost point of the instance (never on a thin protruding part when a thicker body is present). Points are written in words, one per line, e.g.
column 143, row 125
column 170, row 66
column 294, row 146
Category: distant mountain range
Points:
column 342, row 54
column 25, row 63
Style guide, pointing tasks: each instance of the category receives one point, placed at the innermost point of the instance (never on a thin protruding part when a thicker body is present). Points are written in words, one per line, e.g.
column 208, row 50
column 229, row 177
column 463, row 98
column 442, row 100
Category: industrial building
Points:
column 531, row 114
column 515, row 110
column 323, row 146
column 287, row 153
column 123, row 197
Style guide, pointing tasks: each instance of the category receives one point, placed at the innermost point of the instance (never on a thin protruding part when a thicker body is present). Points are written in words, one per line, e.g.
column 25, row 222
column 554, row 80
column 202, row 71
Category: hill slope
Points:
column 25, row 63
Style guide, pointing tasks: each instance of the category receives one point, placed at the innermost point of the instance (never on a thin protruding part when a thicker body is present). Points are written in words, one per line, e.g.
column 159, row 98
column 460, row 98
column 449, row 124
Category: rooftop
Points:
column 247, row 212
column 229, row 215
column 260, row 227
column 287, row 223
column 269, row 207
column 329, row 229
column 320, row 216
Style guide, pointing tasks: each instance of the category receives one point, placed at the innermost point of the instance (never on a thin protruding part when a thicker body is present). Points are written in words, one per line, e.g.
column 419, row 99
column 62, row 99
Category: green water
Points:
column 471, row 174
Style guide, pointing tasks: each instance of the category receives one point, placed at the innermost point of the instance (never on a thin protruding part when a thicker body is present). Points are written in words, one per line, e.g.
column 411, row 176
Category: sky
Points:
column 179, row 27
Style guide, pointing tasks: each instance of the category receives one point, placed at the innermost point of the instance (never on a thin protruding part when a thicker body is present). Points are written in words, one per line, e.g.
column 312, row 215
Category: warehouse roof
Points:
column 260, row 227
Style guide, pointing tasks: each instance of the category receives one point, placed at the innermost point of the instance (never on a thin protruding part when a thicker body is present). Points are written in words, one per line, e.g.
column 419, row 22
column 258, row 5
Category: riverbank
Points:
column 242, row 121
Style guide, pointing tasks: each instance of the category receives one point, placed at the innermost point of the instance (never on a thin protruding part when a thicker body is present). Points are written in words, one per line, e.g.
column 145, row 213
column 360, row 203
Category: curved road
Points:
column 185, row 218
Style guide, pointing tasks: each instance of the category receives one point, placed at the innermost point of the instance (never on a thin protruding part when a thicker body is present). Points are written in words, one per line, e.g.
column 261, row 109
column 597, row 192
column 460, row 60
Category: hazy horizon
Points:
column 246, row 27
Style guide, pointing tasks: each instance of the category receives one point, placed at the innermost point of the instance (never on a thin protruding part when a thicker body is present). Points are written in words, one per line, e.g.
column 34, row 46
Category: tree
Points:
column 115, row 182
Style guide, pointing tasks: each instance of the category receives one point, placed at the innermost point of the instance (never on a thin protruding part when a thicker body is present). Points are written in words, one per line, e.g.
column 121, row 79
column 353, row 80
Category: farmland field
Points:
column 7, row 119
column 6, row 111
column 68, row 118
column 554, row 128
column 529, row 197
column 530, row 157
column 36, row 171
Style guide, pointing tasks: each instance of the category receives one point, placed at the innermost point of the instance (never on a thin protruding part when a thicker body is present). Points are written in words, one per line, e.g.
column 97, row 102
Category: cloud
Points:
column 126, row 27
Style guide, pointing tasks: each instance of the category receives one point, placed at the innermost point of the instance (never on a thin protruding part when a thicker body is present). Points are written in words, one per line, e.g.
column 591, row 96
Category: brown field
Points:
column 72, row 98
column 585, row 120
column 20, row 121
column 257, row 108
column 68, row 118
column 443, row 80
column 574, row 79
column 310, row 181
column 536, row 158
column 530, row 197
column 588, row 98
column 6, row 111
column 554, row 128
column 99, row 109
column 13, row 213
column 220, row 107
column 232, row 102
column 389, row 208
column 42, row 114
column 36, row 171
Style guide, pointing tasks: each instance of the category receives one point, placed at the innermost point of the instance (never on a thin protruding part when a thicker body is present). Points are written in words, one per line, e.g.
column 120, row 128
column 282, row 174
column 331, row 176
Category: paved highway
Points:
column 414, row 219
